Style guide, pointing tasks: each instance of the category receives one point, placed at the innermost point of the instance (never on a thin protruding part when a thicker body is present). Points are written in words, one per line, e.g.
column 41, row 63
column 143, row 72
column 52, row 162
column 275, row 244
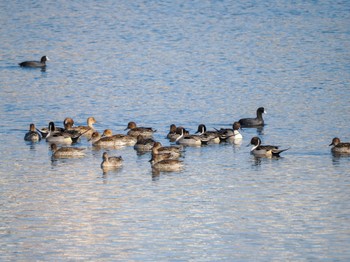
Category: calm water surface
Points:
column 158, row 63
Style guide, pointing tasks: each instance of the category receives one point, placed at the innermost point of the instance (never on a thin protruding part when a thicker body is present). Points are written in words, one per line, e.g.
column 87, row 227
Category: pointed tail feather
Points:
column 277, row 152
column 76, row 138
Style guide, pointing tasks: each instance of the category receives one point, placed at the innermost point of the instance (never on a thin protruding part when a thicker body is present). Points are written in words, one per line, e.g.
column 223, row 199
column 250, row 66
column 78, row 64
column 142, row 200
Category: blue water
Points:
column 187, row 63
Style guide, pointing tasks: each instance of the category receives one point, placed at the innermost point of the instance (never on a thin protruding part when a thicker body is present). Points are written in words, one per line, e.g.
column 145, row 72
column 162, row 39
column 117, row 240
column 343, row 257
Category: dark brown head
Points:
column 335, row 141
column 172, row 128
column 68, row 123
column 255, row 141
column 236, row 126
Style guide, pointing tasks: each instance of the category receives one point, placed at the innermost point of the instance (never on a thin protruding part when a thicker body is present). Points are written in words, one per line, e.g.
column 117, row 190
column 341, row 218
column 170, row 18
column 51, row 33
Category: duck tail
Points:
column 76, row 138
column 277, row 152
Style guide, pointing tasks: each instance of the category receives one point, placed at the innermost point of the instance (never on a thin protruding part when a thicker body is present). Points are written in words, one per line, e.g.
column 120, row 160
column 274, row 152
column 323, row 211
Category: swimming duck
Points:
column 338, row 147
column 172, row 132
column 175, row 132
column 208, row 137
column 68, row 127
column 87, row 130
column 32, row 135
column 44, row 131
column 60, row 137
column 188, row 140
column 120, row 139
column 254, row 122
column 173, row 151
column 99, row 141
column 264, row 151
column 231, row 135
column 135, row 130
column 161, row 163
column 144, row 143
column 36, row 64
column 65, row 152
column 111, row 161
column 159, row 157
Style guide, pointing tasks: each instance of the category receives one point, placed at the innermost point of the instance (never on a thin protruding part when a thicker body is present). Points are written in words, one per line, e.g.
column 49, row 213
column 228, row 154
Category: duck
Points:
column 264, row 150
column 173, row 151
column 338, row 147
column 188, row 140
column 231, row 135
column 35, row 64
column 254, row 122
column 208, row 137
column 175, row 132
column 97, row 140
column 172, row 133
column 134, row 130
column 60, row 137
column 144, row 143
column 68, row 123
column 164, row 164
column 159, row 157
column 120, row 139
column 44, row 131
column 66, row 152
column 32, row 135
column 87, row 130
column 68, row 127
column 111, row 161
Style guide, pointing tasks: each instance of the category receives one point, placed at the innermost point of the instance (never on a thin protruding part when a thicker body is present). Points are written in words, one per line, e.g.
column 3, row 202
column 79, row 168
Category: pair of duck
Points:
column 166, row 158
column 107, row 139
column 182, row 137
column 139, row 137
column 108, row 162
column 259, row 150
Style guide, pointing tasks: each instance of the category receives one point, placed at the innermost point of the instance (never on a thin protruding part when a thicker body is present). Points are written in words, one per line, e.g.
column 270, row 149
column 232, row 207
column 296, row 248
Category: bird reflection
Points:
column 336, row 158
column 155, row 174
column 257, row 161
column 104, row 177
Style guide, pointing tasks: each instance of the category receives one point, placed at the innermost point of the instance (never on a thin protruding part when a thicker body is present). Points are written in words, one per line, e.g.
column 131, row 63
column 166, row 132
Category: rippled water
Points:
column 186, row 63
